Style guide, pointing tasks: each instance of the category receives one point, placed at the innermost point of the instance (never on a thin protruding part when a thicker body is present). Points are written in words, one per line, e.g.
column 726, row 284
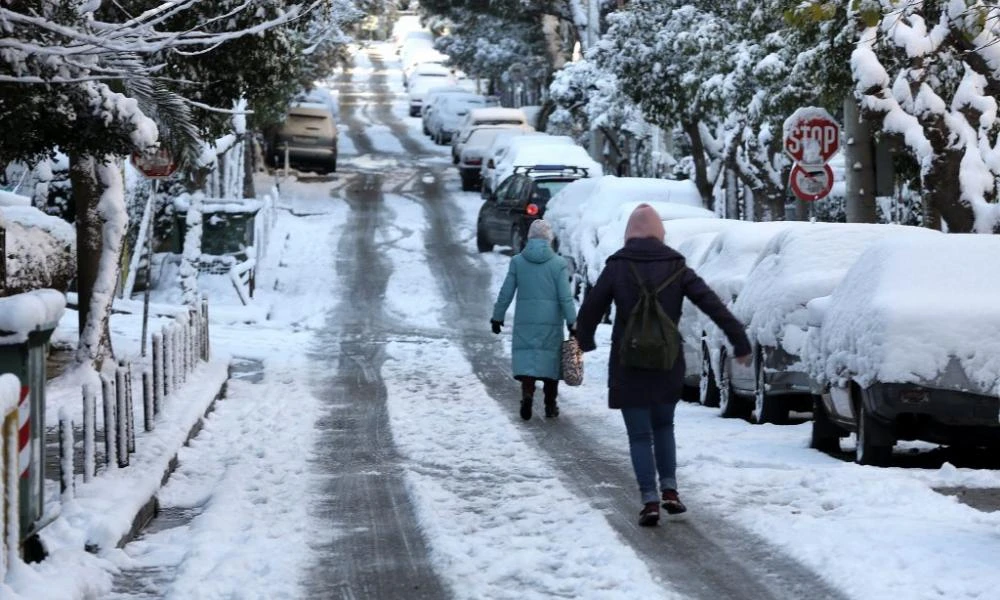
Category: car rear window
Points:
column 508, row 121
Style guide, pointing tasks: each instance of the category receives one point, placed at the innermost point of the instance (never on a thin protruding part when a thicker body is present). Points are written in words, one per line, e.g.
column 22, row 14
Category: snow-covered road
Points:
column 377, row 452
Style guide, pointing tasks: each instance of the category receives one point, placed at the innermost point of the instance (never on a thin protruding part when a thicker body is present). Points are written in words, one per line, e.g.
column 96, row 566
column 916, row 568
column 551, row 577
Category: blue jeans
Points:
column 651, row 444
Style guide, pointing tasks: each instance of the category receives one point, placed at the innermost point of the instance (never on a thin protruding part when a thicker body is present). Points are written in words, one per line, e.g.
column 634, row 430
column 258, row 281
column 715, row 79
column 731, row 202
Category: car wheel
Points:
column 825, row 435
column 767, row 408
column 516, row 240
column 454, row 158
column 426, row 131
column 872, row 449
column 482, row 242
column 708, row 388
column 466, row 184
column 730, row 405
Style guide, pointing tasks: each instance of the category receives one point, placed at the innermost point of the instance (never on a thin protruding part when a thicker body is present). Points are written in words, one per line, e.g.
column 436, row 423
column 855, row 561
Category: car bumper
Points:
column 936, row 415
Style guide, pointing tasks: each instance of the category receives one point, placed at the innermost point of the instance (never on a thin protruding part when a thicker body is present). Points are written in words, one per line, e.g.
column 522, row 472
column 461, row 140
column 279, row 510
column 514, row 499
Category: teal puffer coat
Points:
column 544, row 304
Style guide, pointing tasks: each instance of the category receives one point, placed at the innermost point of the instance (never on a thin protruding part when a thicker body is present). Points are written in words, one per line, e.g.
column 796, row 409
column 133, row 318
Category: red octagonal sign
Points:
column 811, row 136
column 156, row 165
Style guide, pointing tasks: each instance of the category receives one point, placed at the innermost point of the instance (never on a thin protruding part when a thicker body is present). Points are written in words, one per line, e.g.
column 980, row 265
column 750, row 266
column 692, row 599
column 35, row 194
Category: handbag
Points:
column 572, row 362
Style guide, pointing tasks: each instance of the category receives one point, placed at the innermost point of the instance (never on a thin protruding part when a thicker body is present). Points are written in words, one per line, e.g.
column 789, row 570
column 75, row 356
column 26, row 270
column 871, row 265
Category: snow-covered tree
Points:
column 929, row 72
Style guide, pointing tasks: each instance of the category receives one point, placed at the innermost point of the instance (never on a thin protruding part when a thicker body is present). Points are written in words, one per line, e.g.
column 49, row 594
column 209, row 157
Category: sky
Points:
column 246, row 493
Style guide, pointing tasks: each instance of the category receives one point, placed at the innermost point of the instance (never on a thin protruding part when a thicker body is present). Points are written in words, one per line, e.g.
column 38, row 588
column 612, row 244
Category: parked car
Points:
column 588, row 217
column 795, row 266
column 486, row 116
column 536, row 149
column 309, row 134
column 505, row 216
column 727, row 262
column 422, row 80
column 448, row 114
column 500, row 143
column 434, row 95
column 908, row 347
column 473, row 151
column 424, row 56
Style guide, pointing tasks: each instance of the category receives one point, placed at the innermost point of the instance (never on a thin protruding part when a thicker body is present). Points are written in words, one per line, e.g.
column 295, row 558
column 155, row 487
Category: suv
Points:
column 521, row 198
column 309, row 133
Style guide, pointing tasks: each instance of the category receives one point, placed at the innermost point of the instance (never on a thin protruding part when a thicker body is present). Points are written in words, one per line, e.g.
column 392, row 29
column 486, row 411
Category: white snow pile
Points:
column 41, row 249
column 12, row 199
column 908, row 307
column 589, row 217
column 10, row 393
column 23, row 313
column 797, row 265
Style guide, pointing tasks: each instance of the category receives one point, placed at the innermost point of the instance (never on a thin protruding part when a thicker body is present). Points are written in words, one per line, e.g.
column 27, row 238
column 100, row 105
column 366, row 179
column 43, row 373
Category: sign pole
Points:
column 149, row 267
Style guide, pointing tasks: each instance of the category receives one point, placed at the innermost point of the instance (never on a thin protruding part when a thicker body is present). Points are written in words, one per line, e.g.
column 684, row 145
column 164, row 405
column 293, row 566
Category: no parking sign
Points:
column 811, row 138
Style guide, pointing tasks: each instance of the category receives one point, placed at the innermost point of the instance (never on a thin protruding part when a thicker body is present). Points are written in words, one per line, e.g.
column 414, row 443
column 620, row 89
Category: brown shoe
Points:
column 672, row 503
column 649, row 516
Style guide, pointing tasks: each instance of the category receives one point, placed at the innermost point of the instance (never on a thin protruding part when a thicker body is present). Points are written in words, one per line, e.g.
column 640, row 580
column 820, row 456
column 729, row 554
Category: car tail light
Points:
column 914, row 396
column 531, row 209
column 473, row 161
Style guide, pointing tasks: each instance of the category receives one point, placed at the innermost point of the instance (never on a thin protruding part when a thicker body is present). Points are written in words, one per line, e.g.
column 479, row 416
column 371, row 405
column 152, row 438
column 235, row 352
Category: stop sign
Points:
column 811, row 136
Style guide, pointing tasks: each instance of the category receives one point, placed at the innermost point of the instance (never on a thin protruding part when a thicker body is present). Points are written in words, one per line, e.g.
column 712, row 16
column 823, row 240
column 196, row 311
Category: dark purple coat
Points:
column 628, row 387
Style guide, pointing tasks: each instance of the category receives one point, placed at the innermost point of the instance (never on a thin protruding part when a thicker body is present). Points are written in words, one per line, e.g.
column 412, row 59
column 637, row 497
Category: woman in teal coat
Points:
column 540, row 280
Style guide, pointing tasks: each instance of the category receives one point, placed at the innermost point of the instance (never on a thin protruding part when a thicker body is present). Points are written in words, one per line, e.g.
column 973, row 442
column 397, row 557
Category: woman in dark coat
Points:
column 647, row 398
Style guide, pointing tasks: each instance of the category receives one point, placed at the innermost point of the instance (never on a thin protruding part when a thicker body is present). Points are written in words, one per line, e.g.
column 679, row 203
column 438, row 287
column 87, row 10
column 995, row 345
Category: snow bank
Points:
column 41, row 249
column 909, row 306
column 12, row 199
column 27, row 312
column 797, row 265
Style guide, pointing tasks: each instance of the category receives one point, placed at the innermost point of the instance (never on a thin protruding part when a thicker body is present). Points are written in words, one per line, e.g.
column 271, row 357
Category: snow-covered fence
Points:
column 10, row 526
column 178, row 349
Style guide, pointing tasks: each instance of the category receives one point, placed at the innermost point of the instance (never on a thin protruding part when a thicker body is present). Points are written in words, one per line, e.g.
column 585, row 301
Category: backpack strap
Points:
column 662, row 286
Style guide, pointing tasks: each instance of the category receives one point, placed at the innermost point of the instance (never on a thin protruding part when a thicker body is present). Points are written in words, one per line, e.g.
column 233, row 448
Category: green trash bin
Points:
column 26, row 325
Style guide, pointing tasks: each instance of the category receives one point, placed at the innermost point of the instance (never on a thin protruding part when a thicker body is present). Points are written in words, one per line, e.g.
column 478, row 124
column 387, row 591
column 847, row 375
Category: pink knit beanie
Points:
column 644, row 222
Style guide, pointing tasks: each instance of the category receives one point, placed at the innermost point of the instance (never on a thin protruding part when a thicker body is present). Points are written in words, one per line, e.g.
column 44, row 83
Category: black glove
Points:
column 571, row 329
column 496, row 325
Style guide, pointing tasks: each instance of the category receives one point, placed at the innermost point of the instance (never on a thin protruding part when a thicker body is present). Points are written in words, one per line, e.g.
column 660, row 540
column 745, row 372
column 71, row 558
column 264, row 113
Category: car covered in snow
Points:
column 527, row 151
column 448, row 114
column 505, row 216
column 421, row 81
column 795, row 266
column 589, row 216
column 474, row 150
column 907, row 347
column 513, row 117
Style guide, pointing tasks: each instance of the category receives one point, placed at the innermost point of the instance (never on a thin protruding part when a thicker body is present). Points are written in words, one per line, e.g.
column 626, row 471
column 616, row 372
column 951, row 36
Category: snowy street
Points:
column 369, row 445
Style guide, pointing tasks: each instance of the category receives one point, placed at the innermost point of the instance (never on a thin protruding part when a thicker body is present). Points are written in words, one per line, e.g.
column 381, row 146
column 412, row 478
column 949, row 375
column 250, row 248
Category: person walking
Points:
column 647, row 397
column 540, row 281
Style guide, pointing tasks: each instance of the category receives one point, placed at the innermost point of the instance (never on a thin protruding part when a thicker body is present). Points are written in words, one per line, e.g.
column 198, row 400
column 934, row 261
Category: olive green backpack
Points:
column 651, row 340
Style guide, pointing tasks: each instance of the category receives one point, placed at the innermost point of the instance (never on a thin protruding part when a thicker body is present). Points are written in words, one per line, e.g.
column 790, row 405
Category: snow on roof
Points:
column 23, row 313
column 29, row 216
column 495, row 112
column 694, row 247
column 799, row 264
column 908, row 307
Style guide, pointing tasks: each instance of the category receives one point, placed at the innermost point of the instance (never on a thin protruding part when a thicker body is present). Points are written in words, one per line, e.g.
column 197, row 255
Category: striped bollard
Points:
column 24, row 432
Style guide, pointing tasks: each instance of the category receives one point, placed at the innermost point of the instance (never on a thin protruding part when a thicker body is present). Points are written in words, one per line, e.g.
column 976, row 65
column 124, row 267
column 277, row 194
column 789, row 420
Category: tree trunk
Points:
column 859, row 163
column 700, row 164
column 98, row 191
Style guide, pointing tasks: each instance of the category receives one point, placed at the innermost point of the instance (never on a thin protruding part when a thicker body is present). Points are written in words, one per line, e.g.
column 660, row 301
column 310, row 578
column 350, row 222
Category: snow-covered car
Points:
column 527, row 151
column 473, row 151
column 486, row 116
column 725, row 266
column 589, row 216
column 432, row 97
column 422, row 56
column 796, row 266
column 499, row 144
column 908, row 347
column 448, row 114
column 422, row 80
